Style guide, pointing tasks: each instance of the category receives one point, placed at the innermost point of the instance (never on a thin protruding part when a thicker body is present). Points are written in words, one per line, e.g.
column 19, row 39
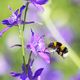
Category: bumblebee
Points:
column 59, row 48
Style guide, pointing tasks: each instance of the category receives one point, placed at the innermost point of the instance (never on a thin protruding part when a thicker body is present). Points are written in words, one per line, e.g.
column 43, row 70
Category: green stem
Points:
column 21, row 35
column 29, row 57
column 29, row 61
column 27, row 4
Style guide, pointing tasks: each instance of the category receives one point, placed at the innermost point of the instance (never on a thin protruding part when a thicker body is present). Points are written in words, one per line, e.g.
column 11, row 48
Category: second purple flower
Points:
column 37, row 46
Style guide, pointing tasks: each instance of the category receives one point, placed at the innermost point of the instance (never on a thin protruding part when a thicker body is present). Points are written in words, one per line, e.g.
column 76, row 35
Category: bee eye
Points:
column 50, row 45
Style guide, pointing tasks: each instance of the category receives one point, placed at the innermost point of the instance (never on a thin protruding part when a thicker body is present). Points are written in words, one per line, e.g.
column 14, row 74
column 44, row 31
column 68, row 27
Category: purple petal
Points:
column 36, row 38
column 23, row 76
column 44, row 56
column 38, row 73
column 75, row 77
column 53, row 74
column 21, row 10
column 32, row 32
column 15, row 23
column 39, row 7
column 4, row 30
column 30, row 73
column 16, row 12
column 40, row 2
column 32, row 48
column 31, row 63
column 5, row 22
column 23, row 68
column 15, row 74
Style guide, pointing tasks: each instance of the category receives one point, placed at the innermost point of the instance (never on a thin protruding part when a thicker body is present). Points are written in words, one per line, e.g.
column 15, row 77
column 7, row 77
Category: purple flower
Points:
column 4, row 65
column 24, row 75
column 76, row 77
column 75, row 2
column 37, row 46
column 14, row 20
column 53, row 75
column 67, row 34
column 40, row 2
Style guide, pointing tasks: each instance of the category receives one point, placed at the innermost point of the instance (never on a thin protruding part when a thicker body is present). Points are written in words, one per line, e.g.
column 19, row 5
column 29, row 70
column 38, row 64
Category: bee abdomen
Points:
column 65, row 50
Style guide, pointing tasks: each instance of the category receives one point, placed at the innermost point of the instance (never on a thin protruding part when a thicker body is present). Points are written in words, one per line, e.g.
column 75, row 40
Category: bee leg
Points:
column 58, row 52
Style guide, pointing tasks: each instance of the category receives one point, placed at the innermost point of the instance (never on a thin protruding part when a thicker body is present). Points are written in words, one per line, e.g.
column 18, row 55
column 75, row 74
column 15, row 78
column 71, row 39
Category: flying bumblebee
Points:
column 59, row 48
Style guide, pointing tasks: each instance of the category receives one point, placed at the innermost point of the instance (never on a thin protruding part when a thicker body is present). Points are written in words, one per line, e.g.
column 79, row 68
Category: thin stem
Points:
column 29, row 57
column 21, row 35
column 27, row 4
column 29, row 61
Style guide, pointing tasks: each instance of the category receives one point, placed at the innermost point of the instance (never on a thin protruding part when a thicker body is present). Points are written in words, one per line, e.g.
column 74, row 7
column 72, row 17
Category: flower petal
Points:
column 15, row 74
column 16, row 12
column 38, row 73
column 21, row 10
column 40, row 2
column 23, row 68
column 30, row 72
column 32, row 48
column 31, row 62
column 4, row 30
column 32, row 32
column 5, row 22
column 44, row 56
column 39, row 7
column 23, row 76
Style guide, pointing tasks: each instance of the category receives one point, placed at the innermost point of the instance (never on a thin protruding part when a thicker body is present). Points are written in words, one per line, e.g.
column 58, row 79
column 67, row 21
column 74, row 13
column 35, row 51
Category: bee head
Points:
column 50, row 45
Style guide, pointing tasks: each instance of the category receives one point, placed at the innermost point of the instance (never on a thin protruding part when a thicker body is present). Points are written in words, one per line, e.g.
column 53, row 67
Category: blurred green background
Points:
column 63, row 13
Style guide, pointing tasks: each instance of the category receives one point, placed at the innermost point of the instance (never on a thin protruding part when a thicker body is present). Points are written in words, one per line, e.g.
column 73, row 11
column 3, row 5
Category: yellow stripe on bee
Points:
column 62, row 47
column 55, row 43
